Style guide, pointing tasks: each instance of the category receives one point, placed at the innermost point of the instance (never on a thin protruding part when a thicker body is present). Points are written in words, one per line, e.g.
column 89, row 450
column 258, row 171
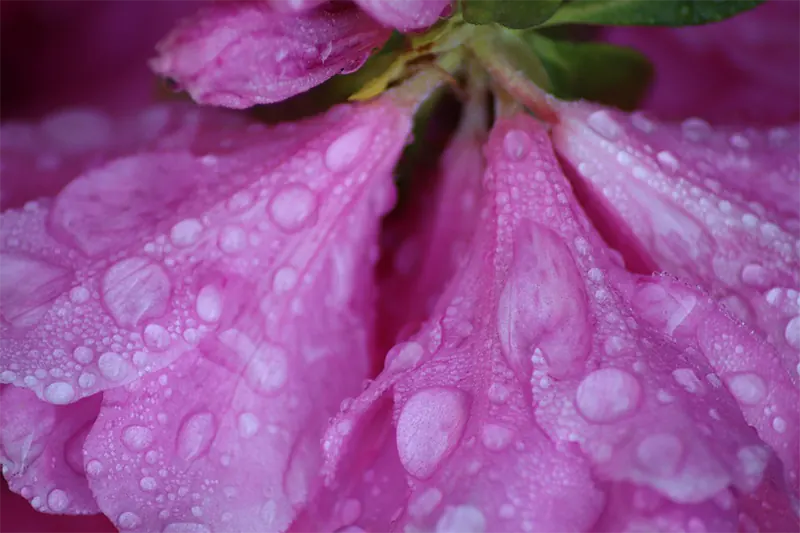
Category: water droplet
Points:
column 293, row 207
column 687, row 379
column 86, row 380
column 641, row 122
column 695, row 129
column 461, row 519
column 344, row 151
column 209, row 304
column 422, row 504
column 136, row 289
column 79, row 295
column 7, row 376
column 128, row 520
column 517, row 144
column 624, row 159
column 186, row 232
column 429, row 428
column 405, row 356
column 195, row 435
column 661, row 453
column 83, row 354
column 754, row 460
column 156, row 337
column 779, row 424
column 755, row 275
column 248, row 425
column 113, row 366
column 740, row 141
column 792, row 333
column 94, row 468
column 137, row 438
column 268, row 369
column 59, row 393
column 496, row 437
column 351, row 511
column 749, row 389
column 232, row 239
column 57, row 500
column 668, row 160
column 604, row 124
column 148, row 484
column 284, row 280
column 607, row 395
column 498, row 393
column 186, row 527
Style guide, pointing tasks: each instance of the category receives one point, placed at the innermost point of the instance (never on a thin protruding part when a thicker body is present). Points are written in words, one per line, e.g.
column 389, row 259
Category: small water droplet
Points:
column 343, row 152
column 86, row 380
column 248, row 425
column 496, row 437
column 195, row 435
column 607, row 395
column 209, row 304
column 429, row 427
column 294, row 207
column 8, row 376
column 668, row 160
column 136, row 289
column 792, row 333
column 79, row 295
column 461, row 519
column 423, row 503
column 232, row 239
column 268, row 369
column 740, row 141
column 603, row 123
column 695, row 129
column 137, row 438
column 94, row 468
column 148, row 484
column 57, row 500
column 642, row 123
column 83, row 354
column 284, row 280
column 59, row 393
column 128, row 520
column 156, row 337
column 498, row 393
column 660, row 454
column 517, row 144
column 624, row 159
column 113, row 366
column 748, row 388
column 186, row 232
column 687, row 379
column 755, row 275
column 405, row 356
column 779, row 424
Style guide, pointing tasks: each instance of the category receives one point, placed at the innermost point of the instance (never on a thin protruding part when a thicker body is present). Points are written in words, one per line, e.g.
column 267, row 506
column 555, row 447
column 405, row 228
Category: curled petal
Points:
column 227, row 436
column 238, row 54
column 716, row 207
column 41, row 450
column 405, row 15
column 537, row 385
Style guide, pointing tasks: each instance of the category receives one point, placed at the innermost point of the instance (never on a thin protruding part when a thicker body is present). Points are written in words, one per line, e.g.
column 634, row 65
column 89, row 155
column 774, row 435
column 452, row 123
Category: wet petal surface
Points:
column 405, row 15
column 238, row 54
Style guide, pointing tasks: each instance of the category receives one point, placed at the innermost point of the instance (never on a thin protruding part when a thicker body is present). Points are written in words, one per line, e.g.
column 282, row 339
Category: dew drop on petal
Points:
column 423, row 503
column 113, row 366
column 79, row 295
column 156, row 337
column 517, row 144
column 668, row 160
column 695, row 129
column 429, row 428
column 148, row 484
column 83, row 354
column 404, row 356
column 186, row 232
column 660, row 453
column 137, row 438
column 607, row 395
column 94, row 468
column 195, row 435
column 248, row 425
column 135, row 289
column 284, row 280
column 686, row 378
column 128, row 520
column 209, row 304
column 792, row 333
column 232, row 239
column 496, row 437
column 461, row 519
column 748, row 388
column 604, row 124
column 344, row 151
column 59, row 393
column 755, row 275
column 293, row 207
column 86, row 380
column 57, row 500
column 268, row 370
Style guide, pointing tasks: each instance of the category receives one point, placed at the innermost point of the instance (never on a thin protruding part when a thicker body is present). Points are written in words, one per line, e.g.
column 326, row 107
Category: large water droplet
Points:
column 128, row 520
column 156, row 337
column 209, row 304
column 344, row 151
column 79, row 295
column 148, row 484
column 136, row 289
column 748, row 388
column 83, row 354
column 284, row 280
column 755, row 275
column 496, row 437
column 607, row 395
column 113, row 366
column 660, row 454
column 461, row 519
column 137, row 438
column 404, row 356
column 429, row 428
column 59, row 393
column 293, row 207
column 186, row 232
column 94, row 468
column 195, row 435
column 57, row 500
column 792, row 333
column 268, row 369
column 517, row 144
column 603, row 123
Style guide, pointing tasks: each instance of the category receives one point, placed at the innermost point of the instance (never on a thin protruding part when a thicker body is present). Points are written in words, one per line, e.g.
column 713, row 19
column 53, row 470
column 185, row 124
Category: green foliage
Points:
column 516, row 14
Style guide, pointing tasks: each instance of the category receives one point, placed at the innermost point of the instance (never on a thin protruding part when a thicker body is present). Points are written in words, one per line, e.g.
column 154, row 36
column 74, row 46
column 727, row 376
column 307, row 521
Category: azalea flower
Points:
column 573, row 317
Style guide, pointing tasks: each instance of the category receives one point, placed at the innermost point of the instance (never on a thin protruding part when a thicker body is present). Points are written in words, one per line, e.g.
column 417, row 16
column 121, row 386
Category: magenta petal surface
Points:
column 536, row 386
column 41, row 450
column 238, row 54
column 227, row 438
column 405, row 15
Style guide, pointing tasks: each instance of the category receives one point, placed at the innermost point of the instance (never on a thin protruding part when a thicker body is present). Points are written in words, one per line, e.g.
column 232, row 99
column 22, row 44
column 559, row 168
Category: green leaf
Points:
column 604, row 73
column 649, row 12
column 516, row 14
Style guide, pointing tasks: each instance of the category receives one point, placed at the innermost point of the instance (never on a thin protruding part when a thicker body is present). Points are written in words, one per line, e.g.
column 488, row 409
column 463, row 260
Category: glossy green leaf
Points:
column 649, row 12
column 516, row 14
column 604, row 73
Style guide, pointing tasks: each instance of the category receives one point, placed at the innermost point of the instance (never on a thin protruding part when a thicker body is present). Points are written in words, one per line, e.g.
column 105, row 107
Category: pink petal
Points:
column 405, row 15
column 722, row 71
column 227, row 437
column 718, row 209
column 41, row 450
column 536, row 396
column 238, row 54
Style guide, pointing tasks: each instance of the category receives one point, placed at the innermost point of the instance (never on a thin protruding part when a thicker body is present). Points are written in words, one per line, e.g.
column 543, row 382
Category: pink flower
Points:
column 401, row 14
